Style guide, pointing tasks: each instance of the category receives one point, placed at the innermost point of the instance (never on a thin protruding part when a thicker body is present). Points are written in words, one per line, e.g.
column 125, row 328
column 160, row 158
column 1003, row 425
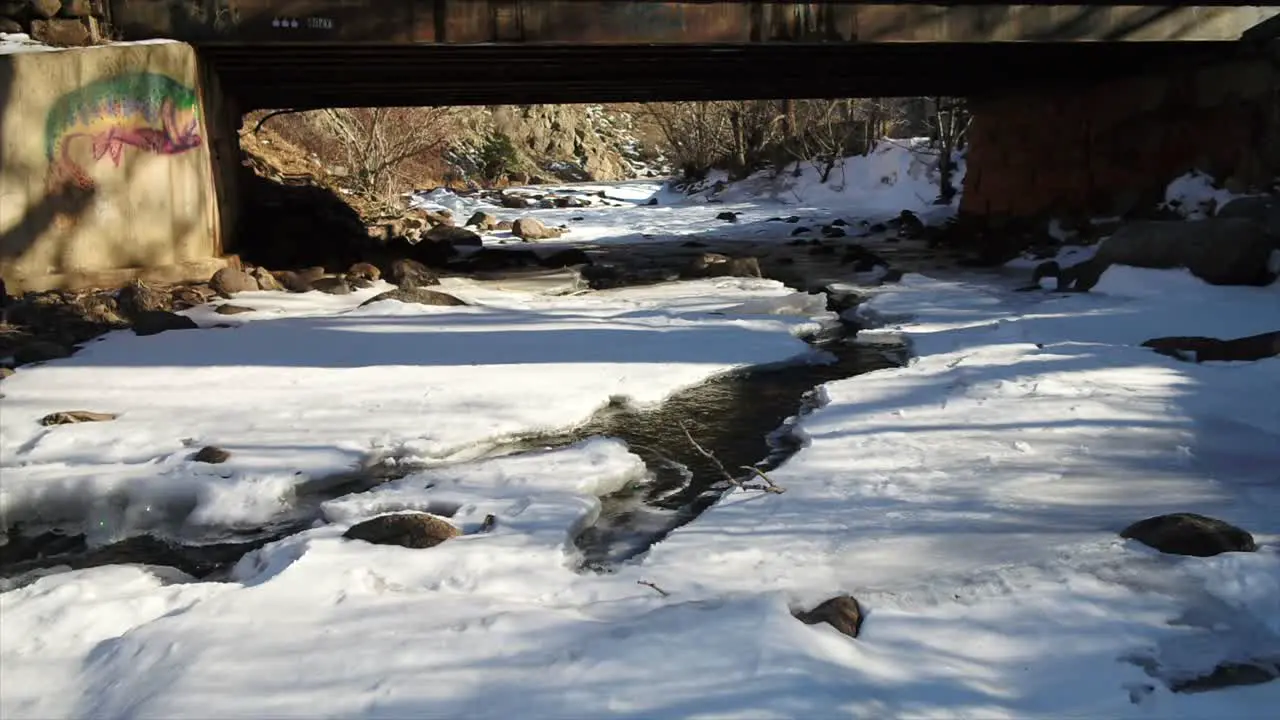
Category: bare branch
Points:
column 708, row 455
column 770, row 486
column 648, row 584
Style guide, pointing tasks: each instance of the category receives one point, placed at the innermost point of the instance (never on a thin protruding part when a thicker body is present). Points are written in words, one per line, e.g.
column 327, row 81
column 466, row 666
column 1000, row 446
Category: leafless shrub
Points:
column 376, row 143
column 950, row 127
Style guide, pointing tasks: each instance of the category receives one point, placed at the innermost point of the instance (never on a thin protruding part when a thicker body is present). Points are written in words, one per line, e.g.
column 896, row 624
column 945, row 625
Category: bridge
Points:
column 1087, row 108
column 322, row 53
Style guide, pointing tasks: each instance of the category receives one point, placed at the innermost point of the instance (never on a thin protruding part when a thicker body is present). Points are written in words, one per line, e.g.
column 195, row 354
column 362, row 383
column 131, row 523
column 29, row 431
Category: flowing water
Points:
column 695, row 445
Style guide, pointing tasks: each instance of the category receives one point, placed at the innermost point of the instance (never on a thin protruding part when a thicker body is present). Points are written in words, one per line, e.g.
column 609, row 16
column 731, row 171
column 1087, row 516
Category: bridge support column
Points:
column 1112, row 148
column 118, row 164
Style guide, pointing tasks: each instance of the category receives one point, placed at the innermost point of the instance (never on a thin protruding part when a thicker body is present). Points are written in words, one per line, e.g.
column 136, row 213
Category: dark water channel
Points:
column 741, row 418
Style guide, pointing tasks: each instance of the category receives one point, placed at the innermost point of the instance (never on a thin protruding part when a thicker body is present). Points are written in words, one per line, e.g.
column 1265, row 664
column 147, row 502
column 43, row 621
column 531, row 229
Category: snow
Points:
column 970, row 500
column 11, row 43
column 897, row 175
column 1195, row 195
column 389, row 379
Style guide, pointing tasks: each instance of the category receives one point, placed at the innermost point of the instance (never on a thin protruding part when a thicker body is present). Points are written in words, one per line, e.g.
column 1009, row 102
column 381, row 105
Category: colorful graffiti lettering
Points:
column 148, row 111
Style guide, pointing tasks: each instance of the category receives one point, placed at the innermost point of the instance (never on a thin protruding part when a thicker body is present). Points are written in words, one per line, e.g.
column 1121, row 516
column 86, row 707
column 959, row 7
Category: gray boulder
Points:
column 1221, row 251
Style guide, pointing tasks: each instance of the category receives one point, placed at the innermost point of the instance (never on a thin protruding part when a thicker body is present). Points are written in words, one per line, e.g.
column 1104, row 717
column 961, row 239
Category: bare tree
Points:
column 697, row 134
column 756, row 126
column 826, row 131
column 951, row 121
column 377, row 142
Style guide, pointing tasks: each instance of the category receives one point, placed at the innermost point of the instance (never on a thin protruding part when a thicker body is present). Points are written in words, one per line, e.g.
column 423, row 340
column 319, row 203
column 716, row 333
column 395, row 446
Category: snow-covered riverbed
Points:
column 971, row 501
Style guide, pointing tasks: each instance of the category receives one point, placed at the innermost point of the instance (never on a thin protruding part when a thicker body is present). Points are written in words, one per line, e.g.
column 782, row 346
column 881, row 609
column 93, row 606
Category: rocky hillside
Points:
column 492, row 146
column 568, row 143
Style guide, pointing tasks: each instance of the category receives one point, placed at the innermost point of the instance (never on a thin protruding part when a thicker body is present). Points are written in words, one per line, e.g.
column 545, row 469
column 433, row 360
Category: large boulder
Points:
column 432, row 253
column 455, row 236
column 1261, row 209
column 483, row 220
column 408, row 274
column 1207, row 349
column 533, row 229
column 410, row 529
column 265, row 280
column 1221, row 251
column 155, row 322
column 332, row 285
column 138, row 297
column 841, row 612
column 420, row 296
column 229, row 281
column 1190, row 534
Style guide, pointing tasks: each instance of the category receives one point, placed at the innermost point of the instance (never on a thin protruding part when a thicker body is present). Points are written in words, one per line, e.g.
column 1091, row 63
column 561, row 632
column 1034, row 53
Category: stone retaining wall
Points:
column 63, row 23
column 1113, row 148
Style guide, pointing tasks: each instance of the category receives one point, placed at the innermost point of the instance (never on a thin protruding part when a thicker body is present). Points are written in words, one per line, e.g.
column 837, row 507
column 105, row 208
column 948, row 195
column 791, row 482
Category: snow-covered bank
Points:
column 899, row 174
column 313, row 384
column 970, row 501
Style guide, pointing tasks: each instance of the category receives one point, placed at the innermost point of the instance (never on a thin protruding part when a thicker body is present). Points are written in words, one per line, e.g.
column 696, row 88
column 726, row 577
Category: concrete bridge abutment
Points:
column 1110, row 148
column 116, row 163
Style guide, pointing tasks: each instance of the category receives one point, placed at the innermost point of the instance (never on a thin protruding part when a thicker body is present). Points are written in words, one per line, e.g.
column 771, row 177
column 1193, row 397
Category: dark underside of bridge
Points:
column 312, row 75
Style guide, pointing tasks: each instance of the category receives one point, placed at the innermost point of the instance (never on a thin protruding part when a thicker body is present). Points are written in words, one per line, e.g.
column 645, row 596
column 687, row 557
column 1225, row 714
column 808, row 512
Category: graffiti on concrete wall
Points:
column 149, row 112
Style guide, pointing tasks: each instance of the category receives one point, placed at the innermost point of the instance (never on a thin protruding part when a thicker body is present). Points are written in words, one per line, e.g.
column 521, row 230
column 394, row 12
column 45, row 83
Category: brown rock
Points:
column 409, row 274
column 229, row 309
column 437, row 218
column 311, row 274
column 453, row 235
column 138, row 297
column 211, row 455
column 411, row 530
column 841, row 612
column 100, row 309
column 332, row 286
column 514, row 202
column 78, row 8
column 9, row 26
column 62, row 32
column 44, row 8
column 6, row 372
column 504, row 225
column 265, row 280
column 71, row 417
column 533, row 229
column 1189, row 534
column 482, row 220
column 364, row 271
column 189, row 296
column 432, row 253
column 420, row 296
column 1206, row 349
column 158, row 321
column 229, row 281
column 292, row 281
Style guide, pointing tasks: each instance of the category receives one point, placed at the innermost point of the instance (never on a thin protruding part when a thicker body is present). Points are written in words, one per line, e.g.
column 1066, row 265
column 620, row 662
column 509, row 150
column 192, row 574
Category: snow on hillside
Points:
column 898, row 175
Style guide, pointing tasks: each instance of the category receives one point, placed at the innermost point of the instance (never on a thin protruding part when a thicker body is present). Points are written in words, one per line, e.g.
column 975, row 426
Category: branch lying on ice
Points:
column 648, row 584
column 769, row 486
